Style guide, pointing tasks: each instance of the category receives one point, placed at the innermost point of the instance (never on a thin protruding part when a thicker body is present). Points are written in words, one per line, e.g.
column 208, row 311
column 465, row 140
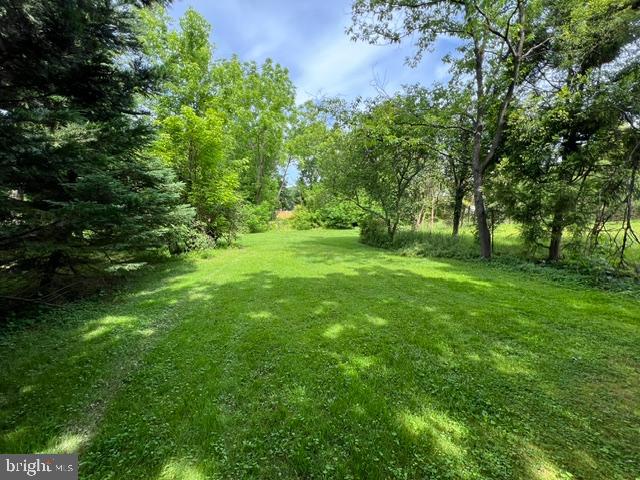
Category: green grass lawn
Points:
column 308, row 355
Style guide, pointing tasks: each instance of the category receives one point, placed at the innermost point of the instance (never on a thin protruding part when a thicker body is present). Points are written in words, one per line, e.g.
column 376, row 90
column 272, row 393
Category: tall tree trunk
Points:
column 434, row 204
column 457, row 209
column 555, row 244
column 480, row 163
column 284, row 179
column 477, row 164
column 393, row 228
column 419, row 219
column 629, row 235
column 259, row 174
column 466, row 215
column 484, row 234
column 50, row 267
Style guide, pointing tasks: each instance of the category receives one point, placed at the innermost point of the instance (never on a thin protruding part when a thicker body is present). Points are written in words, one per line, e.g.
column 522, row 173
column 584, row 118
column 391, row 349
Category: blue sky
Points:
column 308, row 37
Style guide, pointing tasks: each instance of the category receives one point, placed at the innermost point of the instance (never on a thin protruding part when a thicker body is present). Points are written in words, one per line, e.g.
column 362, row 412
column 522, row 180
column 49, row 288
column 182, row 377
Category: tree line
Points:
column 124, row 137
column 538, row 124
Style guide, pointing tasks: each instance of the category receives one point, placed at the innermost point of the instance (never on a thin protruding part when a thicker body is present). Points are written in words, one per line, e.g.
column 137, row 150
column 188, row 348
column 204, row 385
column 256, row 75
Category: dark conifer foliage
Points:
column 75, row 182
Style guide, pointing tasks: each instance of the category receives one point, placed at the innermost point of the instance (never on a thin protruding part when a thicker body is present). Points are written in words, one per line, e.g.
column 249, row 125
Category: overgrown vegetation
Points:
column 509, row 253
column 537, row 126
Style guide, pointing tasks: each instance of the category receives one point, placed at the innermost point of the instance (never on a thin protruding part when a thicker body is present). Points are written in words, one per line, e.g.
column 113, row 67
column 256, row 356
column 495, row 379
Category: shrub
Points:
column 257, row 217
column 330, row 211
column 435, row 244
column 575, row 268
column 373, row 231
column 304, row 219
column 340, row 215
column 189, row 238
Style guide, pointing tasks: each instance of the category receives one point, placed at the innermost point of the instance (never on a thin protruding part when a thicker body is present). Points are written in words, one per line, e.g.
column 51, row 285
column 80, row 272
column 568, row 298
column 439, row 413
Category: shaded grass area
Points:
column 23, row 293
column 309, row 355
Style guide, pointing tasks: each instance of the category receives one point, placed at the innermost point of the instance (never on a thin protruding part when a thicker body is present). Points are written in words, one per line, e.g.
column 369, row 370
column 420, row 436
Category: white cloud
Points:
column 338, row 66
column 309, row 38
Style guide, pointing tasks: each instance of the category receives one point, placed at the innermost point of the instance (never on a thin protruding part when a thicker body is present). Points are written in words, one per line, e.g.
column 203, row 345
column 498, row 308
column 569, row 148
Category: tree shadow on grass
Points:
column 369, row 380
column 58, row 374
column 380, row 370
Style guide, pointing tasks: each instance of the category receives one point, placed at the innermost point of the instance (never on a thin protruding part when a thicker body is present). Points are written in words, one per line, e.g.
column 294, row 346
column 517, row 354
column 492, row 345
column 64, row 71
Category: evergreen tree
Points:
column 75, row 181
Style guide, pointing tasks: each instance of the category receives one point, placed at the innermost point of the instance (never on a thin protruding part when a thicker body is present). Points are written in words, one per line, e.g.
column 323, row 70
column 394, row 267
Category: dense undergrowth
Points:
column 576, row 267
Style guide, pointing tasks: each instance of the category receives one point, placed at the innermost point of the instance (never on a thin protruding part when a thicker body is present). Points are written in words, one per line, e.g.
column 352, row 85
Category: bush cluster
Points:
column 257, row 218
column 335, row 215
column 373, row 231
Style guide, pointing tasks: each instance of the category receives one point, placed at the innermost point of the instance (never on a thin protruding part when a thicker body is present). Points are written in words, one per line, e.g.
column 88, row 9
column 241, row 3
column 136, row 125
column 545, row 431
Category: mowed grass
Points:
column 308, row 355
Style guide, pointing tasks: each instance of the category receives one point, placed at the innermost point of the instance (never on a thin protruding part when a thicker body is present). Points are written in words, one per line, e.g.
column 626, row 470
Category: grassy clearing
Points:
column 308, row 355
